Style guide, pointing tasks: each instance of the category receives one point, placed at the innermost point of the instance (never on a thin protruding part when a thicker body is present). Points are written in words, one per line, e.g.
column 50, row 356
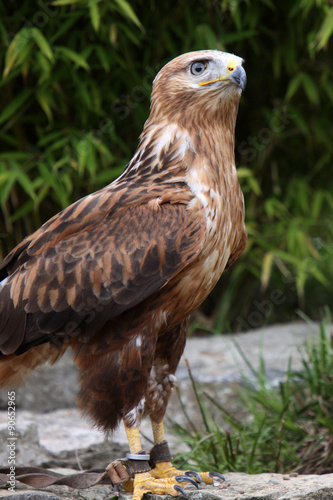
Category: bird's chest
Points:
column 218, row 201
column 222, row 213
column 217, row 246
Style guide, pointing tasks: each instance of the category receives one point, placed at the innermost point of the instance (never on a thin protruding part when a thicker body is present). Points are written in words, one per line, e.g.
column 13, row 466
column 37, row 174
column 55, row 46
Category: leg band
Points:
column 124, row 469
column 160, row 453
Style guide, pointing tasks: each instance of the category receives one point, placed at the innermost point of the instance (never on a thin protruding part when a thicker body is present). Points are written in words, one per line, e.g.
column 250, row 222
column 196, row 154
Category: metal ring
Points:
column 137, row 456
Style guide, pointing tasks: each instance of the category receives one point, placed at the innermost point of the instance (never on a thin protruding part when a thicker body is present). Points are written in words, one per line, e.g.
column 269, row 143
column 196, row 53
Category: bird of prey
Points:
column 115, row 276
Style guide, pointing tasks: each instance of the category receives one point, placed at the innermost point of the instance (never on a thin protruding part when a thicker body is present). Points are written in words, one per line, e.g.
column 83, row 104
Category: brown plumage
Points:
column 116, row 275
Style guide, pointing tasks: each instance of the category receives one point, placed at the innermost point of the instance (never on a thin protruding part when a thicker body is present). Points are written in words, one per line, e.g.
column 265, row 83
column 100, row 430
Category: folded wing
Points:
column 73, row 284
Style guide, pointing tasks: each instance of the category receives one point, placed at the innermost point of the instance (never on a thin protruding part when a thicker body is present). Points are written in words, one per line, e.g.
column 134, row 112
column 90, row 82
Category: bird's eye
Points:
column 198, row 67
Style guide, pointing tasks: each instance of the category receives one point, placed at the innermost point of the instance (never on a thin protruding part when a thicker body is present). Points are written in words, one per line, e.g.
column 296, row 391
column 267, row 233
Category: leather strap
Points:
column 117, row 472
column 38, row 477
column 135, row 463
column 160, row 452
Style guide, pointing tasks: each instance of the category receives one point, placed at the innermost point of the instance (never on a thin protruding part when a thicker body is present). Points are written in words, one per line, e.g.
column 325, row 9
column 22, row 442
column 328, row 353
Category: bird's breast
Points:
column 221, row 209
column 216, row 202
column 216, row 248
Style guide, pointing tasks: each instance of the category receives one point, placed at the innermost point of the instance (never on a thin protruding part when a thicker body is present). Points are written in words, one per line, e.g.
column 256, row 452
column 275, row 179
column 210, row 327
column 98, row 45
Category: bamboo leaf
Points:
column 15, row 155
column 113, row 33
column 64, row 27
column 46, row 174
column 45, row 67
column 82, row 148
column 4, row 176
column 42, row 43
column 26, row 184
column 247, row 174
column 314, row 271
column 100, row 52
column 94, row 15
column 129, row 33
column 65, row 2
column 293, row 86
column 6, row 189
column 73, row 56
column 266, row 269
column 17, row 48
column 300, row 121
column 23, row 210
column 50, row 138
column 128, row 12
column 236, row 37
column 285, row 256
column 326, row 30
column 15, row 105
column 310, row 88
column 101, row 147
column 317, row 203
column 42, row 97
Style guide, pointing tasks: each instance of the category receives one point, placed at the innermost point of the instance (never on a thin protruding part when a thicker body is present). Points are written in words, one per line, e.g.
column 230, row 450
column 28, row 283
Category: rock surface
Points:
column 237, row 487
column 52, row 434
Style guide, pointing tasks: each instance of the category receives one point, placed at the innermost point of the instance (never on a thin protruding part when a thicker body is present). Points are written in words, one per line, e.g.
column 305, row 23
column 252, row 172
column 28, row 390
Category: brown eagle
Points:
column 116, row 275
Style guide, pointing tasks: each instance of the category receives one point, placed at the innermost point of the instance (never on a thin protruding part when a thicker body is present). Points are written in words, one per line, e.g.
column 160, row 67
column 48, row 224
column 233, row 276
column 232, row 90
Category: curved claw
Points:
column 180, row 489
column 192, row 473
column 183, row 479
column 216, row 474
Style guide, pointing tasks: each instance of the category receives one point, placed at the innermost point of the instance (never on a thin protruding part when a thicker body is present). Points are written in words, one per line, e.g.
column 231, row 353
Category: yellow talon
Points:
column 165, row 469
column 206, row 477
column 145, row 483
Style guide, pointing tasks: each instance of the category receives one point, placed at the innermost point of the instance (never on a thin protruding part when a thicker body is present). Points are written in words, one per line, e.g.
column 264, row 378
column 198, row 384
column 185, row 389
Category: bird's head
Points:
column 207, row 80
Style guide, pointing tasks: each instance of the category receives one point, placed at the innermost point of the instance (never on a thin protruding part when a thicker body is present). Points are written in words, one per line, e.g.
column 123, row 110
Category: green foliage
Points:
column 75, row 86
column 286, row 428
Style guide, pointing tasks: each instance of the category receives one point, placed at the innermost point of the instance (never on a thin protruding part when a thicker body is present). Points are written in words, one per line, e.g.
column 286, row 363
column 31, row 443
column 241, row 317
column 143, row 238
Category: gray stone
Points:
column 218, row 359
column 27, row 448
column 219, row 366
column 29, row 452
column 33, row 495
column 48, row 388
column 238, row 486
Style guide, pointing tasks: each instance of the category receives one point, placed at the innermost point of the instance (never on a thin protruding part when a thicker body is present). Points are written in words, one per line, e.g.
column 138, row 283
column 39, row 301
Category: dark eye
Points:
column 198, row 67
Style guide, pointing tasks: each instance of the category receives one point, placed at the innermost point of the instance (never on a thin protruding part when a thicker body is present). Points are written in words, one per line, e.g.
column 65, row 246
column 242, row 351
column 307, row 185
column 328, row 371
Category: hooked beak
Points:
column 237, row 76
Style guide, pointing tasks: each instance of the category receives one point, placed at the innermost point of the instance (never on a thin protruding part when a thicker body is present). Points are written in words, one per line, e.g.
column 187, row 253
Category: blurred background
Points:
column 74, row 94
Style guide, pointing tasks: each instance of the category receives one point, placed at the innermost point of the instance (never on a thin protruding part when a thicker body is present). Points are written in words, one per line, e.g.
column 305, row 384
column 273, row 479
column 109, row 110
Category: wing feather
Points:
column 109, row 268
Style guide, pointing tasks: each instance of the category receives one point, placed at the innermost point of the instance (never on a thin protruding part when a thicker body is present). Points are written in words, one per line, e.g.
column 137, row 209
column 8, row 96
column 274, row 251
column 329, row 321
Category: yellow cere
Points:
column 232, row 65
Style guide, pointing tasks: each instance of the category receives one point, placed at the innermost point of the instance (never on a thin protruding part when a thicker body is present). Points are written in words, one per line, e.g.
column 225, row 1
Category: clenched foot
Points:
column 145, row 482
column 166, row 469
column 165, row 479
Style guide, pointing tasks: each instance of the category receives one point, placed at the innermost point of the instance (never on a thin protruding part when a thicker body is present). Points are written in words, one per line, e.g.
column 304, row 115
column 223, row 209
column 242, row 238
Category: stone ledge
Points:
column 238, row 486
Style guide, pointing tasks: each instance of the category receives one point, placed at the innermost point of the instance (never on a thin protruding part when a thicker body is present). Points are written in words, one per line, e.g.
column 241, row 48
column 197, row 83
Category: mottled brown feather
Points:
column 136, row 271
column 116, row 275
